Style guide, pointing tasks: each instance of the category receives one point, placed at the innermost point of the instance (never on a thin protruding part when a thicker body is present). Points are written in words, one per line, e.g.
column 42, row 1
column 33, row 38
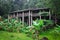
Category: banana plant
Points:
column 12, row 26
column 38, row 24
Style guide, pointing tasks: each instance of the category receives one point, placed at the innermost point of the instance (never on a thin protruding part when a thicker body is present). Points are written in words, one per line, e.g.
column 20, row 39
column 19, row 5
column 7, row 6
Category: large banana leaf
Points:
column 38, row 24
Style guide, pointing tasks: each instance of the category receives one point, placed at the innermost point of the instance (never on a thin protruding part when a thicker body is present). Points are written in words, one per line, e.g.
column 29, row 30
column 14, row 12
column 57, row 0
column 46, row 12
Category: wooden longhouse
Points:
column 28, row 15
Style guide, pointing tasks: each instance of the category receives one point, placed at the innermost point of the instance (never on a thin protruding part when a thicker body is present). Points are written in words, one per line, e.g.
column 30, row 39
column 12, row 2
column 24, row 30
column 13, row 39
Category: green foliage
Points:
column 38, row 24
column 43, row 13
column 13, row 36
column 13, row 25
column 48, row 22
column 57, row 29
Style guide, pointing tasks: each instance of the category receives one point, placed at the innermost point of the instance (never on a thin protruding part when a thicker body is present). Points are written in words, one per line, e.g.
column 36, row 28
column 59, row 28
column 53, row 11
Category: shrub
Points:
column 13, row 25
column 41, row 25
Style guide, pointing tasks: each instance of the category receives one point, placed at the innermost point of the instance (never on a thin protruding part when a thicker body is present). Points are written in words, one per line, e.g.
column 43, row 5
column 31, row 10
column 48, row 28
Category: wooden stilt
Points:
column 14, row 15
column 29, row 18
column 17, row 16
column 8, row 18
column 20, row 19
column 40, row 15
column 49, row 15
column 23, row 18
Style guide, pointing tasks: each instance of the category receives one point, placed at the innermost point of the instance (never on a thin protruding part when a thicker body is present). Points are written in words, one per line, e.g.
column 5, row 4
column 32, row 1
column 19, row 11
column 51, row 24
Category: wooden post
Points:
column 14, row 15
column 23, row 18
column 49, row 15
column 17, row 16
column 40, row 15
column 29, row 17
column 8, row 18
column 20, row 19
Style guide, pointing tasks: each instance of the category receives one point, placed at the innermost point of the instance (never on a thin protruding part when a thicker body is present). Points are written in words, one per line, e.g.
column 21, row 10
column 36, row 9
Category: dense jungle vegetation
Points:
column 40, row 30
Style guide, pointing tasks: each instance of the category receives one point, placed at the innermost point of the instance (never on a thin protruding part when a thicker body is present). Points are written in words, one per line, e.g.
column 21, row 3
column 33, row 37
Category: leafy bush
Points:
column 41, row 25
column 38, row 24
column 12, row 26
column 48, row 24
column 57, row 29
